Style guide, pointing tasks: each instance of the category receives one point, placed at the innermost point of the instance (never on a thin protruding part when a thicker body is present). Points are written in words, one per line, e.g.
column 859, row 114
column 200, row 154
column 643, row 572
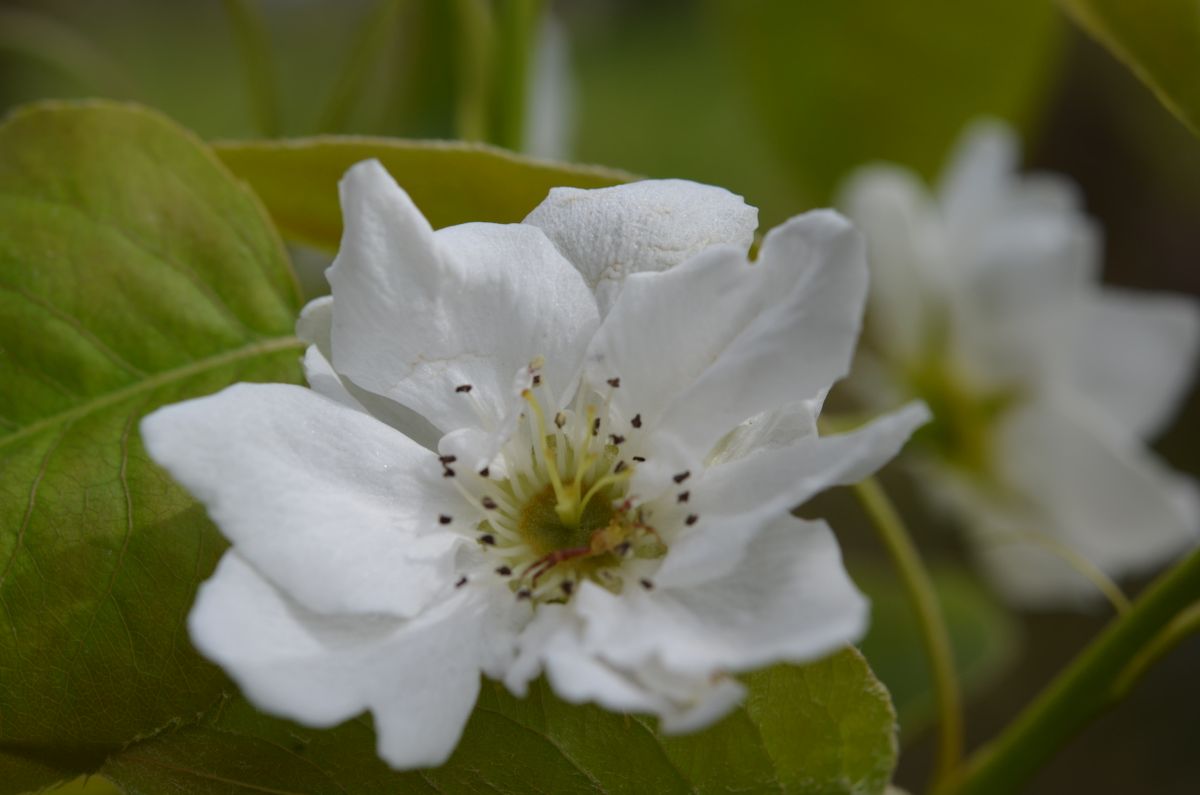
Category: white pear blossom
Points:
column 985, row 302
column 567, row 446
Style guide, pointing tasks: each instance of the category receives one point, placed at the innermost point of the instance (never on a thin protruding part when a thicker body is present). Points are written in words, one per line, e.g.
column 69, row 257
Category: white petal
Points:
column 781, row 427
column 717, row 340
column 418, row 314
column 1090, row 488
column 980, row 172
column 683, row 701
column 735, row 500
column 333, row 506
column 610, row 233
column 894, row 212
column 1135, row 356
column 314, row 327
column 419, row 677
column 788, row 599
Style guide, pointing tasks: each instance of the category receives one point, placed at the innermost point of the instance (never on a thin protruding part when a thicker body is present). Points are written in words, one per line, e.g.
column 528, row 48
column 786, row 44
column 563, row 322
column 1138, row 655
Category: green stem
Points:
column 377, row 30
column 474, row 43
column 934, row 637
column 1182, row 626
column 1084, row 689
column 250, row 34
column 517, row 22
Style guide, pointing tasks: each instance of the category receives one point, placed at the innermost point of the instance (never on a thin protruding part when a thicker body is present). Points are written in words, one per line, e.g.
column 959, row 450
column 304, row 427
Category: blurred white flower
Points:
column 1044, row 386
column 569, row 445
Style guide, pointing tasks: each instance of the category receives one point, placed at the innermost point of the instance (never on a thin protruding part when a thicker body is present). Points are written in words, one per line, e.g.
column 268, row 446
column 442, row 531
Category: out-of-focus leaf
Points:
column 452, row 183
column 840, row 83
column 1158, row 39
column 134, row 271
column 825, row 728
column 984, row 635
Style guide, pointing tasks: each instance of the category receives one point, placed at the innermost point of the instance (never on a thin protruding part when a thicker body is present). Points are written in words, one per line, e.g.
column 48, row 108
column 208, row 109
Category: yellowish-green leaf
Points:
column 450, row 182
column 1158, row 39
column 134, row 271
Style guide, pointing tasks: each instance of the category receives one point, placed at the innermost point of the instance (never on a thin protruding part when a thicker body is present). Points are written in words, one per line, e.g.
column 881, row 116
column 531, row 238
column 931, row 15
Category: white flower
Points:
column 1044, row 386
column 569, row 445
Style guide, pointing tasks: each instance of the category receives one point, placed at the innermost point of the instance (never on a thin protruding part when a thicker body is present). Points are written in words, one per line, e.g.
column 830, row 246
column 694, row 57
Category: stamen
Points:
column 649, row 586
column 691, row 519
column 636, row 421
column 683, row 496
column 616, row 438
column 639, row 459
column 682, row 476
column 463, row 388
column 461, row 581
column 488, row 540
column 444, row 519
column 614, row 382
column 489, row 503
column 503, row 571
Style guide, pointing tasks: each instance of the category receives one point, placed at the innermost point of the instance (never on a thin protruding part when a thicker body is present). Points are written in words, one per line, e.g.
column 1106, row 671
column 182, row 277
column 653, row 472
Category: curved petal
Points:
column 894, row 212
column 1086, row 487
column 734, row 501
column 717, row 339
column 610, row 233
column 333, row 506
column 683, row 701
column 314, row 327
column 418, row 677
column 1135, row 355
column 418, row 315
column 788, row 599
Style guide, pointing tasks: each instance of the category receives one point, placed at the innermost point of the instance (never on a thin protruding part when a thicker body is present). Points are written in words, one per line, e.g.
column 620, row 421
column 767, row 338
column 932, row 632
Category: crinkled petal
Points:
column 652, row 225
column 314, row 327
column 1135, row 355
column 683, row 701
column 419, row 677
column 734, row 501
column 1088, row 487
column 730, row 338
column 418, row 315
column 336, row 508
column 788, row 599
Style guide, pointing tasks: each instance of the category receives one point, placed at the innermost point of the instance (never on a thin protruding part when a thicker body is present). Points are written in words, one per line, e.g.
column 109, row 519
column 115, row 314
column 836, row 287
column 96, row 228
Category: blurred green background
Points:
column 775, row 99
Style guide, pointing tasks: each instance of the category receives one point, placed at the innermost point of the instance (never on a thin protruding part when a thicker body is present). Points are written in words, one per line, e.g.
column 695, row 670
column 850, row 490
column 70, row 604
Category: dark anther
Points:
column 483, row 473
column 489, row 503
column 448, row 459
column 463, row 388
column 622, row 549
column 616, row 438
column 639, row 459
column 596, row 426
column 636, row 421
column 614, row 382
column 649, row 586
column 461, row 582
column 567, row 587
column 560, row 419
column 537, row 379
column 682, row 476
column 683, row 496
column 444, row 519
column 619, row 468
column 524, row 593
column 504, row 571
column 447, row 472
column 487, row 539
column 691, row 519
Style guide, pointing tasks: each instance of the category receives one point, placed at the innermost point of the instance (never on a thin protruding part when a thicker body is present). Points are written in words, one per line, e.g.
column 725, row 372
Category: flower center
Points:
column 563, row 514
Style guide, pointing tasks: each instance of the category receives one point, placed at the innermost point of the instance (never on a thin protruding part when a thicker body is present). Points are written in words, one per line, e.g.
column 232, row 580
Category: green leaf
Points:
column 840, row 83
column 134, row 272
column 450, row 182
column 985, row 637
column 1158, row 39
column 825, row 728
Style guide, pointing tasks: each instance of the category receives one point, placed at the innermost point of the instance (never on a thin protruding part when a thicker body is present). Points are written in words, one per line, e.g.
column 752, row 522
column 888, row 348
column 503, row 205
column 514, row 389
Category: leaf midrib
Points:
column 164, row 378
